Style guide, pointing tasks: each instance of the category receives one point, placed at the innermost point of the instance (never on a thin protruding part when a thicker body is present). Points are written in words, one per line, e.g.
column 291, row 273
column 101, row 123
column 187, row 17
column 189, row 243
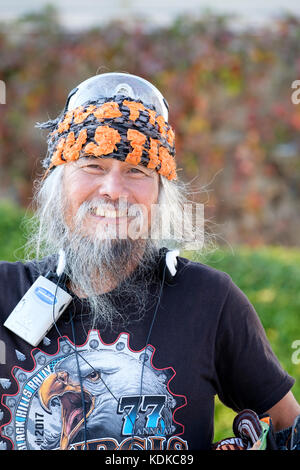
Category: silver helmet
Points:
column 107, row 85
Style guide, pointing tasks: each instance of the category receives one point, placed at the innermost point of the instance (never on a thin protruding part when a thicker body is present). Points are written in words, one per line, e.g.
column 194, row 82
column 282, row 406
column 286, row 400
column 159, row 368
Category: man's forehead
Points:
column 94, row 159
column 108, row 162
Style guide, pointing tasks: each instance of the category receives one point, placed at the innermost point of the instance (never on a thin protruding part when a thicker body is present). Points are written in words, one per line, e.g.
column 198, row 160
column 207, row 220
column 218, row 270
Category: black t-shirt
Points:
column 206, row 340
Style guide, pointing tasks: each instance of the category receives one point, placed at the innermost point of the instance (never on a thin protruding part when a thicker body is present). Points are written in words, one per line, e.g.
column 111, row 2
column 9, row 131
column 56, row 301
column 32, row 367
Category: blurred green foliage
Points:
column 269, row 276
column 12, row 231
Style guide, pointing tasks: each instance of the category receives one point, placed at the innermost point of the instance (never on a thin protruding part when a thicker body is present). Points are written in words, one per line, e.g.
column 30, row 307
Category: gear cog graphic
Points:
column 47, row 412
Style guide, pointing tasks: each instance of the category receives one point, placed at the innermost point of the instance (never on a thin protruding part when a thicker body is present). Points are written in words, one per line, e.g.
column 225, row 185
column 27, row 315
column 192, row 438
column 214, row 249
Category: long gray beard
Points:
column 107, row 262
column 127, row 266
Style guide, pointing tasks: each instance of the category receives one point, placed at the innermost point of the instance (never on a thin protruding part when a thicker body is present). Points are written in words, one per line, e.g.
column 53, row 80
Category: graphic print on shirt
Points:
column 111, row 410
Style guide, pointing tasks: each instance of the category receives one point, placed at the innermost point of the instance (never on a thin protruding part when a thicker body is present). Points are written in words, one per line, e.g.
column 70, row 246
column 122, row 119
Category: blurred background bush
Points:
column 237, row 136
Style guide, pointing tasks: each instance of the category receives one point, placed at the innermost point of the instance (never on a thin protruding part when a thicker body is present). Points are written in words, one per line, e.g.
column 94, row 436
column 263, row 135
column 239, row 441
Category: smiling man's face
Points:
column 113, row 192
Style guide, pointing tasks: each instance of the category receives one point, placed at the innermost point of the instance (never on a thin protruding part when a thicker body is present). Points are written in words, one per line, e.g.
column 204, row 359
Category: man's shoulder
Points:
column 203, row 281
column 18, row 271
column 201, row 271
column 15, row 280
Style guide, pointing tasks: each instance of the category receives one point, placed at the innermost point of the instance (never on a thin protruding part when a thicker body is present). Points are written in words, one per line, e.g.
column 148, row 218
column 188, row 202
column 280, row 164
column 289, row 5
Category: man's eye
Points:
column 93, row 168
column 137, row 171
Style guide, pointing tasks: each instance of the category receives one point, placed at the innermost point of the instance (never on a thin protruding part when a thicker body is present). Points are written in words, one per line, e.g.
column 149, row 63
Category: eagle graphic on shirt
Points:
column 119, row 400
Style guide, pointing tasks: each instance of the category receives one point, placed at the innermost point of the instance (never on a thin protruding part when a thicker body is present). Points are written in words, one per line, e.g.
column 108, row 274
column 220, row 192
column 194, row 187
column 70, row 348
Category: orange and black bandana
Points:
column 118, row 127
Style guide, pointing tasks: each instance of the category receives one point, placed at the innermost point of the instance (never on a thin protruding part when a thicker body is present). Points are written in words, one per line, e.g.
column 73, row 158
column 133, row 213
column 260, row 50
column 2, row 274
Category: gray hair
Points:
column 174, row 225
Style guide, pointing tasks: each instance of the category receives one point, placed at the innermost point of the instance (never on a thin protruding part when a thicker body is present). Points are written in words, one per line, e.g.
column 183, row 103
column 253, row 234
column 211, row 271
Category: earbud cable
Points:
column 147, row 342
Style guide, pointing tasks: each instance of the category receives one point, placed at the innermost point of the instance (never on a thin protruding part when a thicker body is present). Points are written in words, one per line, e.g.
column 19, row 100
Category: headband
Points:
column 118, row 127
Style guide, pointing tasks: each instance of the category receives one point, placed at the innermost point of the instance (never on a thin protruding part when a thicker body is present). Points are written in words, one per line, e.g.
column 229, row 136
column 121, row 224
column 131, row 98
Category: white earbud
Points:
column 61, row 263
column 171, row 261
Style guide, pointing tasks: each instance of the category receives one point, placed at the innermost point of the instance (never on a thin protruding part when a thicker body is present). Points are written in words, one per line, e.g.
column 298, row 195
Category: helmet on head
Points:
column 107, row 85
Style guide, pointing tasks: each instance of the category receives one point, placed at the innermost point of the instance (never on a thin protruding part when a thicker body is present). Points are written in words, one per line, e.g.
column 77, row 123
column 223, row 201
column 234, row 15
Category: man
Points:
column 148, row 339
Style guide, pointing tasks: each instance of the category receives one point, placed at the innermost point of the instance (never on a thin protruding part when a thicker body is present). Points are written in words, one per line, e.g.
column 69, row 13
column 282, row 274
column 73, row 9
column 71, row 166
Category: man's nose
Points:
column 113, row 186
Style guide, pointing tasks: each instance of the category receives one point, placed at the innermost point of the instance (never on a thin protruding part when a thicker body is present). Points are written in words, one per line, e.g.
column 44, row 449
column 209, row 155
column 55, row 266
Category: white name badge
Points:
column 38, row 310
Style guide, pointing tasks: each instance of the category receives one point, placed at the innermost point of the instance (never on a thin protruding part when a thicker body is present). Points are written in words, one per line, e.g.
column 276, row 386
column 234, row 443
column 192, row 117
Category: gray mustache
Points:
column 120, row 207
